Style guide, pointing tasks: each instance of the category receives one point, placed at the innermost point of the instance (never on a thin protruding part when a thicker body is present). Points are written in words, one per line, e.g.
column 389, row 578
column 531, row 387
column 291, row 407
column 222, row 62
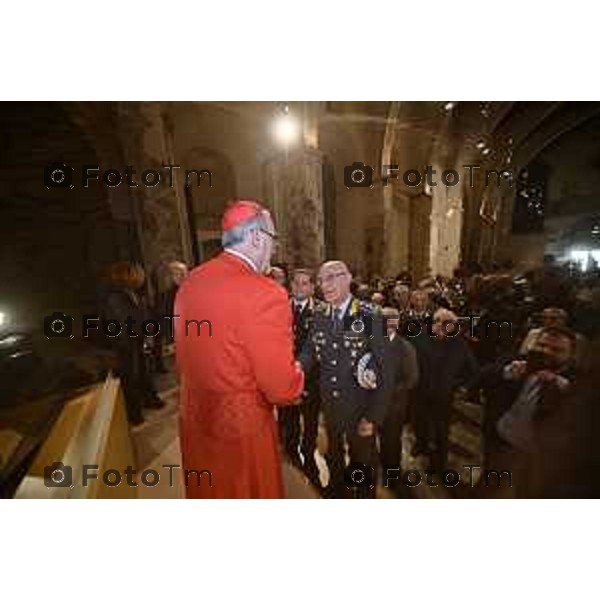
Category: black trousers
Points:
column 433, row 426
column 293, row 436
column 362, row 451
column 391, row 437
column 137, row 384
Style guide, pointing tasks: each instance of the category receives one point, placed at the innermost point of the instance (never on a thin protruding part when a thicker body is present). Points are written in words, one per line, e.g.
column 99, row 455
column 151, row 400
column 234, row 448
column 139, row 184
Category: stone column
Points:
column 503, row 237
column 494, row 221
column 420, row 233
column 396, row 230
column 162, row 228
column 295, row 188
column 446, row 227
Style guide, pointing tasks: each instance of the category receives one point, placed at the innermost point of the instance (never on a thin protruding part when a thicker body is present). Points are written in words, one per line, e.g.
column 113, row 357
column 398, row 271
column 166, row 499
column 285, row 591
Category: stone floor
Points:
column 156, row 443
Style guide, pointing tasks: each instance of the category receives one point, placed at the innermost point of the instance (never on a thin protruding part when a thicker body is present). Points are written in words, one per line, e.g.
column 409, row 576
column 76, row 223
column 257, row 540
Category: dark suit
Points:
column 444, row 366
column 308, row 410
column 344, row 402
column 401, row 371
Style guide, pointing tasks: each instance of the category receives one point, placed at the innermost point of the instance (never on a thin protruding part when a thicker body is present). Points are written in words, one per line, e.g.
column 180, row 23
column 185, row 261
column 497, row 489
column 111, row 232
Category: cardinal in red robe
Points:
column 234, row 349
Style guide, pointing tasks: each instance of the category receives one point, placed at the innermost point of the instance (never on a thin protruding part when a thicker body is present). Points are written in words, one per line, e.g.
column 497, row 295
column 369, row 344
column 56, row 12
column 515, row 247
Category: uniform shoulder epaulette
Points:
column 362, row 307
column 323, row 308
column 318, row 305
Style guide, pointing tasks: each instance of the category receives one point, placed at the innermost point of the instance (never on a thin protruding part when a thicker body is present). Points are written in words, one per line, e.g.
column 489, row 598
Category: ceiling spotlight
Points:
column 480, row 145
column 286, row 130
column 449, row 106
column 485, row 151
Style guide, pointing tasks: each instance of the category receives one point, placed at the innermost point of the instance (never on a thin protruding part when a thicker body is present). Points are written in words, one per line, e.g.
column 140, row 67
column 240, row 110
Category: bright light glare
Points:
column 581, row 257
column 3, row 318
column 9, row 340
column 286, row 130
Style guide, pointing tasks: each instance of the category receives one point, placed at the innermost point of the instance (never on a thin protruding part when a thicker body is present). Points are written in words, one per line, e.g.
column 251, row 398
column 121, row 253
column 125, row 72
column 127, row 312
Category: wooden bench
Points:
column 92, row 429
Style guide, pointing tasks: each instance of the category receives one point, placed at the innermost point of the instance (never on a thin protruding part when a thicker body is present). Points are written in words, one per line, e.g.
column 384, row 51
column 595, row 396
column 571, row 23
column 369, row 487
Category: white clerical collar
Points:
column 242, row 257
column 344, row 305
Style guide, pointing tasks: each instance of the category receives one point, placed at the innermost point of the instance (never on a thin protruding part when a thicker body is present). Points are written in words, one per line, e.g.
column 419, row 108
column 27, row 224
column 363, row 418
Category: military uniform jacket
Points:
column 337, row 351
column 302, row 323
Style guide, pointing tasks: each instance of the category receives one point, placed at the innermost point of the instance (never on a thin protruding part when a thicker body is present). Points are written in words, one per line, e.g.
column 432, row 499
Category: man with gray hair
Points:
column 351, row 381
column 401, row 298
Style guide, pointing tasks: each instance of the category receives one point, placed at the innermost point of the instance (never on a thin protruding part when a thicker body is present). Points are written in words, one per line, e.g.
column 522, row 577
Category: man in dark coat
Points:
column 177, row 272
column 445, row 364
column 301, row 422
column 401, row 371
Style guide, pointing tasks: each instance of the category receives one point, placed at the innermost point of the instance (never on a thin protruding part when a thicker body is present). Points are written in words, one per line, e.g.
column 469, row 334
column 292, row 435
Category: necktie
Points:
column 337, row 318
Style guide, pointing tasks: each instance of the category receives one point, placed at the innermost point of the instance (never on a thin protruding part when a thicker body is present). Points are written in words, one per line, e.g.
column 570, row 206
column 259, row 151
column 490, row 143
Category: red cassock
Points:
column 234, row 368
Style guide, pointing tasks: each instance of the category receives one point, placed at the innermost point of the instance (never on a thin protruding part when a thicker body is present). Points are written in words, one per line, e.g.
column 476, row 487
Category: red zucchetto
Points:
column 239, row 211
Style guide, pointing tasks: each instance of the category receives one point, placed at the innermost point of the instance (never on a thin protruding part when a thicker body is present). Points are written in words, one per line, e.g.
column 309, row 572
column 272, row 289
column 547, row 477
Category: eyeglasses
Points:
column 330, row 278
column 271, row 234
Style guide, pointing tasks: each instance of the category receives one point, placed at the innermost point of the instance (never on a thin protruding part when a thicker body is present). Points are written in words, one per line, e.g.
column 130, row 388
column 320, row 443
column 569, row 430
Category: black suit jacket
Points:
column 400, row 368
column 302, row 323
column 444, row 366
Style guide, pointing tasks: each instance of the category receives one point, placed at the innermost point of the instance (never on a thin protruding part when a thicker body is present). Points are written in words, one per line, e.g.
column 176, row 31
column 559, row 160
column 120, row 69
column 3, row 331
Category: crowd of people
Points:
column 523, row 349
column 519, row 344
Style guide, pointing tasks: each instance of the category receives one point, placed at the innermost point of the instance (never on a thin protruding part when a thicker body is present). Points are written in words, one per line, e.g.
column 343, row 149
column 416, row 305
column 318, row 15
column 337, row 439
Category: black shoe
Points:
column 418, row 449
column 401, row 491
column 311, row 471
column 314, row 479
column 328, row 492
column 295, row 461
column 154, row 403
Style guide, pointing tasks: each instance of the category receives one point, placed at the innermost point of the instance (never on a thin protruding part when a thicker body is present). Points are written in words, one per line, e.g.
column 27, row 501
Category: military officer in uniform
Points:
column 346, row 341
column 303, row 305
